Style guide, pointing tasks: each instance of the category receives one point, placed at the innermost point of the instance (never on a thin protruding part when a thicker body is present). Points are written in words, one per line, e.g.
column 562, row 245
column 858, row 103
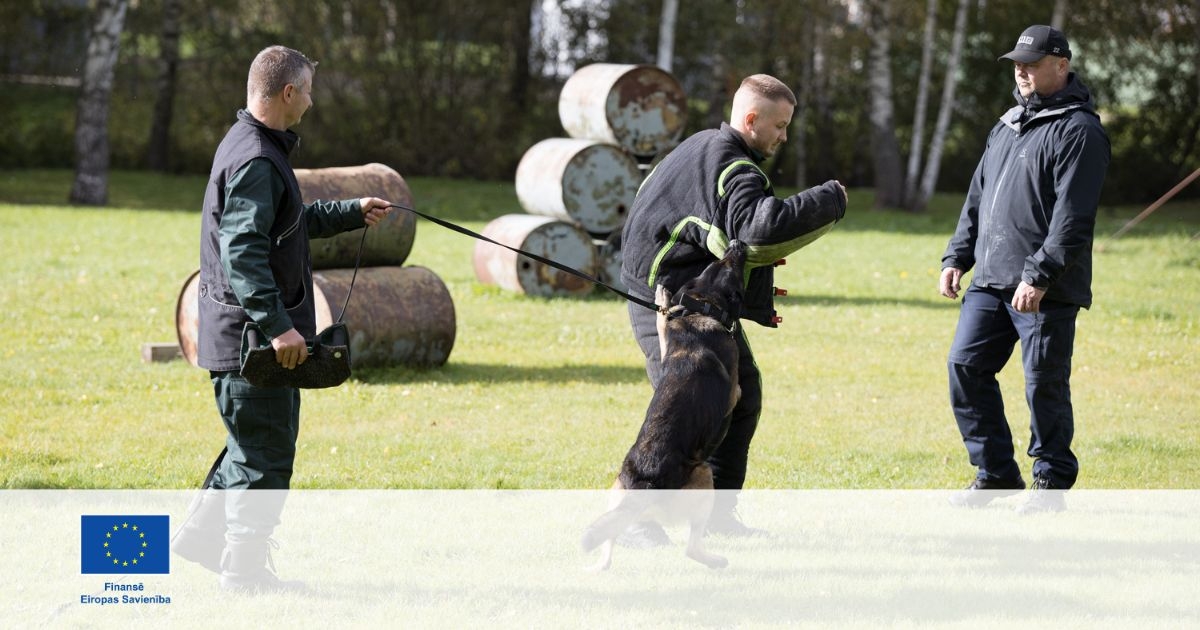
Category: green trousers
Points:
column 262, row 425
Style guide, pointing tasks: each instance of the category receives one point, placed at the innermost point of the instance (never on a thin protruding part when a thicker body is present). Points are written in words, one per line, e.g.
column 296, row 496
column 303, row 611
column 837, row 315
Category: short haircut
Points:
column 768, row 87
column 274, row 67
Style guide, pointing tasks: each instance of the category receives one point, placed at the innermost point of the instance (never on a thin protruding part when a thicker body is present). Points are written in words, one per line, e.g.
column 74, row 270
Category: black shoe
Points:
column 982, row 491
column 643, row 535
column 730, row 524
column 260, row 584
column 248, row 569
column 201, row 537
column 200, row 547
column 1044, row 496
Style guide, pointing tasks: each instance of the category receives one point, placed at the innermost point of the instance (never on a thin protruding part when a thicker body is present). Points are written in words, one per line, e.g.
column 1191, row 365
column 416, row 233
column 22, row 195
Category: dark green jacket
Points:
column 255, row 261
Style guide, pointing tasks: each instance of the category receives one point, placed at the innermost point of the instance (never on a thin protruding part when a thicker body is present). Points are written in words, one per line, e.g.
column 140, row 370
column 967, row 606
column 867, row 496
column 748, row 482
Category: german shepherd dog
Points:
column 688, row 414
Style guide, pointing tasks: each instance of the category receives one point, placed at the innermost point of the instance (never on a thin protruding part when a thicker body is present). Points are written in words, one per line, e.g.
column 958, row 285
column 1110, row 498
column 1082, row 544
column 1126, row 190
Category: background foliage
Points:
column 462, row 89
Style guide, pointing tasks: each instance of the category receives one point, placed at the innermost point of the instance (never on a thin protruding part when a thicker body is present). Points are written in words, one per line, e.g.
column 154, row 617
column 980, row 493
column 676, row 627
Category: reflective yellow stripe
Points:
column 716, row 242
column 731, row 167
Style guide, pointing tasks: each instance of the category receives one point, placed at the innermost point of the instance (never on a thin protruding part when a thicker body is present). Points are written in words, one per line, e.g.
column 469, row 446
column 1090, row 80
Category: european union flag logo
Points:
column 125, row 544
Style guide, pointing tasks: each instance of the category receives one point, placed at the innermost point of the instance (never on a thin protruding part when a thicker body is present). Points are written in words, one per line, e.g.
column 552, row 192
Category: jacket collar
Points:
column 1074, row 95
column 286, row 140
column 738, row 139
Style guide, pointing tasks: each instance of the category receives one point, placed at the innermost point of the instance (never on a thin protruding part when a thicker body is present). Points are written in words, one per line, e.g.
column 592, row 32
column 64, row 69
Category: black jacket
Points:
column 1030, row 213
column 255, row 262
column 706, row 192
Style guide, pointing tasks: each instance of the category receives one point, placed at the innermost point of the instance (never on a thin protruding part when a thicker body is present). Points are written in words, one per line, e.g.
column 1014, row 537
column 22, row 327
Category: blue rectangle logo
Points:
column 125, row 544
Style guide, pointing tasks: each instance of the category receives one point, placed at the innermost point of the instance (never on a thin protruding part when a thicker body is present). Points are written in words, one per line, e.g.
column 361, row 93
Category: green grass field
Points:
column 549, row 393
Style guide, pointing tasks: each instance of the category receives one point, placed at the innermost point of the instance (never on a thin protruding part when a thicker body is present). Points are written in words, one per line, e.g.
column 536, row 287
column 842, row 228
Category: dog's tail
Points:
column 610, row 524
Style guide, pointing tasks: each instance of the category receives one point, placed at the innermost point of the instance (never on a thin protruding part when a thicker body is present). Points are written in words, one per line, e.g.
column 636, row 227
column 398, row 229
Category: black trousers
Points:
column 728, row 460
column 988, row 330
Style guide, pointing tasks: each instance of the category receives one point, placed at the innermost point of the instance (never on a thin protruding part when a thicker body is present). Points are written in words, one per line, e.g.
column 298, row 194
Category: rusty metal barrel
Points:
column 398, row 316
column 549, row 238
column 639, row 107
column 387, row 243
column 187, row 317
column 585, row 182
column 608, row 260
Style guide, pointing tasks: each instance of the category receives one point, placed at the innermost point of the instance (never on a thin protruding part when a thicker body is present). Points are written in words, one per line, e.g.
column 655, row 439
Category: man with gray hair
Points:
column 708, row 191
column 255, row 266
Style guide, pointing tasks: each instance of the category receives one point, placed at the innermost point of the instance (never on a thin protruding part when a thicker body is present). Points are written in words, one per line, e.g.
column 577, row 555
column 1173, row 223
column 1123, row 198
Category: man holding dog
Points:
column 708, row 191
column 255, row 265
column 1026, row 229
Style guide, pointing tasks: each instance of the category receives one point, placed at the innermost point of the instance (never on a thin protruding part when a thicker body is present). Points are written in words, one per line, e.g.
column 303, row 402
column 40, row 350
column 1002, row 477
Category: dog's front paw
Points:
column 662, row 297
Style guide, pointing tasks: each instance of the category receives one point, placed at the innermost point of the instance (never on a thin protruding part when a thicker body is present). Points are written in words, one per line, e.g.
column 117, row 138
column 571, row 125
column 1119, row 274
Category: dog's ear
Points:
column 662, row 297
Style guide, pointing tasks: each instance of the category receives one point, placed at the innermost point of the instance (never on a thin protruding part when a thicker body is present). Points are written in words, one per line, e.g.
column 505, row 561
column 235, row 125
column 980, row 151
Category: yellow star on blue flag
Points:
column 136, row 544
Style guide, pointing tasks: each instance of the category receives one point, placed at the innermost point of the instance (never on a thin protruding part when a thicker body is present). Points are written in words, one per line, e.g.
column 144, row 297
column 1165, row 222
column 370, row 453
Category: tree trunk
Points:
column 799, row 135
column 91, row 117
column 522, row 41
column 918, row 129
column 934, row 163
column 159, row 149
column 889, row 177
column 822, row 100
column 1059, row 15
column 666, row 34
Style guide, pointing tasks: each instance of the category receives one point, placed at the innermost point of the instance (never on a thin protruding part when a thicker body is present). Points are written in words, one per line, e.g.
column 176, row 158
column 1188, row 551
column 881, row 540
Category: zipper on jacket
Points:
column 288, row 232
column 987, row 251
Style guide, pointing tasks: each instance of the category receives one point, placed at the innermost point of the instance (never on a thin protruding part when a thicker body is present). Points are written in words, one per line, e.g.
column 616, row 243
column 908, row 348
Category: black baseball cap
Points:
column 1038, row 41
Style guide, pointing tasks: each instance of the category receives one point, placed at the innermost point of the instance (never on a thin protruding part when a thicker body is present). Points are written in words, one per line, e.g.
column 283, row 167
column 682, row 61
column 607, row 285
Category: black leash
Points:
column 357, row 260
column 545, row 261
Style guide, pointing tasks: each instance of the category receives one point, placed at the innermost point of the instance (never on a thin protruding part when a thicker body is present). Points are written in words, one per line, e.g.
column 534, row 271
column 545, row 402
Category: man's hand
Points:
column 374, row 209
column 948, row 285
column 1027, row 298
column 290, row 349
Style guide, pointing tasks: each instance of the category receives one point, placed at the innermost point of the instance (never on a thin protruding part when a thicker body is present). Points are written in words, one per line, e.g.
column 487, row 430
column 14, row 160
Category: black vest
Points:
column 221, row 317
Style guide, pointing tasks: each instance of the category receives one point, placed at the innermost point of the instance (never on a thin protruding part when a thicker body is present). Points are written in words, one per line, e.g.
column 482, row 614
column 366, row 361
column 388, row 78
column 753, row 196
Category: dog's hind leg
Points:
column 603, row 532
column 695, row 546
column 605, row 561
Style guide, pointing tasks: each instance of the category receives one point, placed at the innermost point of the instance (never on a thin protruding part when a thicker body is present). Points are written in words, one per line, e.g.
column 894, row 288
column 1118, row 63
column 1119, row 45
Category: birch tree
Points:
column 91, row 118
column 804, row 99
column 934, row 163
column 666, row 34
column 1060, row 13
column 917, row 145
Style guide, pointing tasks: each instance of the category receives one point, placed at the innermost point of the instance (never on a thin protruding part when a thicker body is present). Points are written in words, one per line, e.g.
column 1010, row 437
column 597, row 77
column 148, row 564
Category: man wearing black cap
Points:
column 1026, row 230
